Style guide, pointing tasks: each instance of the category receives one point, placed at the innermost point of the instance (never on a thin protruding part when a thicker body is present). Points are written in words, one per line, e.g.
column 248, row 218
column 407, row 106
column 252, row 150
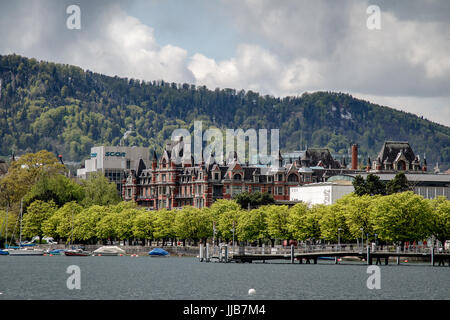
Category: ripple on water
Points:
column 186, row 278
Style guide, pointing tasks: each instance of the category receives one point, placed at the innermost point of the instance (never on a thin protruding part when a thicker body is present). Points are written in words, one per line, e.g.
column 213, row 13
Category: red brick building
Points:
column 171, row 184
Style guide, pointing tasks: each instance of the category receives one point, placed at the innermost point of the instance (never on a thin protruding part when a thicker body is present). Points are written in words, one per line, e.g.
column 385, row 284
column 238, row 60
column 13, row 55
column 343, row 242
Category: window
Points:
column 256, row 189
column 256, row 178
column 280, row 177
column 216, row 176
column 236, row 190
column 128, row 164
column 279, row 190
column 237, row 176
column 292, row 178
column 163, row 176
column 269, row 190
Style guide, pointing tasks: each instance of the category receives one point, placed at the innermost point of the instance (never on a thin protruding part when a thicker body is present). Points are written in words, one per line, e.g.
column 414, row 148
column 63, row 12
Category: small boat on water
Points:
column 158, row 252
column 24, row 249
column 77, row 252
column 3, row 253
column 56, row 252
column 25, row 252
column 108, row 251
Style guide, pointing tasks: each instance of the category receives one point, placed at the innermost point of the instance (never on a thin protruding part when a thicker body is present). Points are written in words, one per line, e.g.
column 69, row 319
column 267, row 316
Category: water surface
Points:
column 186, row 278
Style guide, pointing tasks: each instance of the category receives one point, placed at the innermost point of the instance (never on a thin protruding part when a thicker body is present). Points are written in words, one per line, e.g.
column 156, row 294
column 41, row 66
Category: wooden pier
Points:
column 439, row 259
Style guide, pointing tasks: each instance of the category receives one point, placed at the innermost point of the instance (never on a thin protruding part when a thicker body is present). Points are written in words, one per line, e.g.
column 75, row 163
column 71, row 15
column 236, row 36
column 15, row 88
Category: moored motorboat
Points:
column 3, row 253
column 77, row 252
column 158, row 252
column 56, row 252
column 25, row 252
column 109, row 251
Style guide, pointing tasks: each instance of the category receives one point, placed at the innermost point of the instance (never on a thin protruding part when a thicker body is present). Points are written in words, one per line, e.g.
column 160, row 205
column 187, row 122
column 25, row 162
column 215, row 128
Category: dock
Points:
column 368, row 255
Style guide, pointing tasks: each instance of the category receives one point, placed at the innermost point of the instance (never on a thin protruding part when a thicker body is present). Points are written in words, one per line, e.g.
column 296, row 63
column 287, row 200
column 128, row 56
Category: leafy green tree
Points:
column 60, row 224
column 85, row 223
column 401, row 217
column 164, row 227
column 106, row 226
column 303, row 223
column 98, row 190
column 37, row 213
column 440, row 218
column 357, row 214
column 252, row 200
column 7, row 224
column 374, row 185
column 225, row 223
column 277, row 222
column 332, row 219
column 360, row 185
column 144, row 225
column 371, row 186
column 125, row 222
column 398, row 184
column 25, row 172
column 193, row 223
column 251, row 225
column 57, row 188
column 220, row 207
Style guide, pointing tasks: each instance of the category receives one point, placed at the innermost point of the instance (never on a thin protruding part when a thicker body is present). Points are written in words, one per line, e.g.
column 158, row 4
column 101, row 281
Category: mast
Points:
column 21, row 215
column 71, row 237
column 6, row 225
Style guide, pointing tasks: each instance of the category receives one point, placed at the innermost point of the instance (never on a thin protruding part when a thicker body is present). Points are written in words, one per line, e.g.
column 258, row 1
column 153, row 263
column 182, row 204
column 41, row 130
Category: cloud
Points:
column 286, row 47
column 109, row 42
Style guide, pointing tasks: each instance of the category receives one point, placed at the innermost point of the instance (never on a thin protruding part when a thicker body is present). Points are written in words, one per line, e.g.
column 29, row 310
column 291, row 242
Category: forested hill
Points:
column 64, row 109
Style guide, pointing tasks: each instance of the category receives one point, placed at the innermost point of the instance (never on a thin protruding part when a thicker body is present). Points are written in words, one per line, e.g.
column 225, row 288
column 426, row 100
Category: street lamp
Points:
column 339, row 238
column 233, row 235
column 375, row 240
column 362, row 238
column 367, row 236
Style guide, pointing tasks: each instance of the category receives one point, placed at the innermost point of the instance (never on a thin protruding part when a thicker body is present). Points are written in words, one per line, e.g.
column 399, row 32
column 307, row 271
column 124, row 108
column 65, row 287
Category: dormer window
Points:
column 237, row 176
column 216, row 176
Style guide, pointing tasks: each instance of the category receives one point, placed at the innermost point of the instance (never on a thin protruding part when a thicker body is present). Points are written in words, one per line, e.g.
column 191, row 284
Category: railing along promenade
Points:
column 312, row 253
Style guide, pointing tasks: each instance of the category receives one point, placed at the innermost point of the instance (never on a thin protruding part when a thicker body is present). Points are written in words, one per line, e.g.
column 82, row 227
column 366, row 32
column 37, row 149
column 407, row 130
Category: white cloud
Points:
column 287, row 48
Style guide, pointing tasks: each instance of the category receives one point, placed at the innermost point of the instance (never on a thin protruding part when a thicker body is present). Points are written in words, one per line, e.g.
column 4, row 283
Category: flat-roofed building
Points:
column 112, row 161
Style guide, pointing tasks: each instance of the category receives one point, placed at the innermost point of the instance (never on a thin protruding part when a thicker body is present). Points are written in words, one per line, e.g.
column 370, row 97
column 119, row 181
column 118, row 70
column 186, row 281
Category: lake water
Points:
column 186, row 278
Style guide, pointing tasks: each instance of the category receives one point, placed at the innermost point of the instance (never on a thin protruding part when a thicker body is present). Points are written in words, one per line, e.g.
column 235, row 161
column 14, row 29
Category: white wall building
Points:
column 112, row 161
column 320, row 193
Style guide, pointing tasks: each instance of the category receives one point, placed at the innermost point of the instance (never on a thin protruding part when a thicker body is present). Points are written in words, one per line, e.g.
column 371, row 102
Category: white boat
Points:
column 108, row 251
column 24, row 251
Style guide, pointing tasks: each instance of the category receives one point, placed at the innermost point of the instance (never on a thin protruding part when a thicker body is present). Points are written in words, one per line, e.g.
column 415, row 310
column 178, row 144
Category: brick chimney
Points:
column 354, row 157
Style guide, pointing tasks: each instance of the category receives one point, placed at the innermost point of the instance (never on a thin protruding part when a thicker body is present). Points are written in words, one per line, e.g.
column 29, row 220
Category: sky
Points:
column 280, row 48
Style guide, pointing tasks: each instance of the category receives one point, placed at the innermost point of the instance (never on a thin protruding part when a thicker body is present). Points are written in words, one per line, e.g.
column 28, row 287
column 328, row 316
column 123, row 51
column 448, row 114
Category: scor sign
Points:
column 115, row 154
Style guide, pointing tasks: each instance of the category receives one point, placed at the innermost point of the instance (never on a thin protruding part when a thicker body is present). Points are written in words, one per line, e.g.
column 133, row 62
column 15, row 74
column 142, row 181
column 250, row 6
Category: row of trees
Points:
column 41, row 177
column 391, row 219
column 374, row 186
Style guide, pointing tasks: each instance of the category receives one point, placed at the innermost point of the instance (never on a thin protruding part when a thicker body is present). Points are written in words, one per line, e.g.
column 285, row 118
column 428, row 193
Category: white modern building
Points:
column 320, row 193
column 112, row 161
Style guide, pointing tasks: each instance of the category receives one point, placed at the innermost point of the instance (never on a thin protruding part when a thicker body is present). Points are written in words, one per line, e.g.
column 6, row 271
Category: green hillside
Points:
column 67, row 110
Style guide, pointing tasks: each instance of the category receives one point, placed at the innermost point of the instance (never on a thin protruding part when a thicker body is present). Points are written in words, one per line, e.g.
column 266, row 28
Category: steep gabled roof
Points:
column 391, row 150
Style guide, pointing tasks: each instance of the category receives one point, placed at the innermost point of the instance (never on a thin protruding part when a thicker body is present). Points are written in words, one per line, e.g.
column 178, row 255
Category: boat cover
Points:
column 158, row 252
